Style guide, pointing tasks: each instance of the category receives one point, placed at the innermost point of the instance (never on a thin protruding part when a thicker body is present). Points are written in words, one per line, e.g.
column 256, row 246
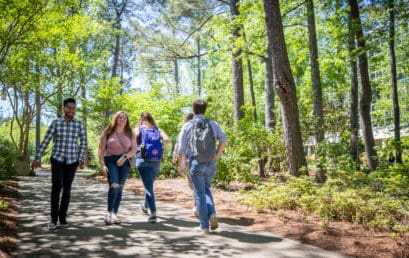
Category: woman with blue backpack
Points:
column 150, row 141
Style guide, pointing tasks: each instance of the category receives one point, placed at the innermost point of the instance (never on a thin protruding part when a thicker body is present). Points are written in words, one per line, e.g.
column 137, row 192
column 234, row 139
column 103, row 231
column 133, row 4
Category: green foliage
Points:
column 8, row 155
column 3, row 205
column 249, row 142
column 378, row 200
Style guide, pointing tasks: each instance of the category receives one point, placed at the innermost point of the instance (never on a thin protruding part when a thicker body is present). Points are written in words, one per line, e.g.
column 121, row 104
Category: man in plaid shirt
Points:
column 65, row 158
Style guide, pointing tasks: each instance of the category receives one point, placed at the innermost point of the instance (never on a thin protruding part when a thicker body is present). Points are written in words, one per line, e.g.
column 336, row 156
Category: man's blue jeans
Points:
column 148, row 171
column 116, row 179
column 202, row 174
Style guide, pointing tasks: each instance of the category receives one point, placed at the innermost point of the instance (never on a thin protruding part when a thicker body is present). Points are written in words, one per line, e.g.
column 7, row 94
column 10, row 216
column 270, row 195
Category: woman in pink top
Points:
column 117, row 144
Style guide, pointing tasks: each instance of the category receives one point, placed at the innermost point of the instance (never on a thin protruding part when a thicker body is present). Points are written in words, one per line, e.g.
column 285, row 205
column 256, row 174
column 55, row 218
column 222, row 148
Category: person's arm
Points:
column 181, row 164
column 137, row 133
column 83, row 145
column 220, row 149
column 182, row 150
column 221, row 137
column 175, row 151
column 164, row 137
column 47, row 138
column 130, row 153
column 101, row 153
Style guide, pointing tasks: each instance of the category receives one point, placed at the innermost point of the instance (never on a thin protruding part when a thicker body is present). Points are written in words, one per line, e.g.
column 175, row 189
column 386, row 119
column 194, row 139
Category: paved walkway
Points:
column 172, row 236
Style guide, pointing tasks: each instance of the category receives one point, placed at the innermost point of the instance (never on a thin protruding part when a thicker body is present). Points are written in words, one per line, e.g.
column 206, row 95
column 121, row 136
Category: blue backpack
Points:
column 151, row 144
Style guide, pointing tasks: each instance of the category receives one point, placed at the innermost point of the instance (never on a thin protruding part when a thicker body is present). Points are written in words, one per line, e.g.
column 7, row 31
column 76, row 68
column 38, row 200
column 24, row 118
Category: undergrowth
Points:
column 378, row 200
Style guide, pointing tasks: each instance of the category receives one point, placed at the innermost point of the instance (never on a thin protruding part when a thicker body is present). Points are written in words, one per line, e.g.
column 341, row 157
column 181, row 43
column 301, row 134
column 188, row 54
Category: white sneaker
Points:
column 115, row 219
column 195, row 213
column 202, row 230
column 213, row 222
column 108, row 220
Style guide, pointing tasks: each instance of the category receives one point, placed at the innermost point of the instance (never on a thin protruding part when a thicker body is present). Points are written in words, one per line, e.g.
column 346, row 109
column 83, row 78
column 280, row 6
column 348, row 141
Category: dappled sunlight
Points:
column 173, row 236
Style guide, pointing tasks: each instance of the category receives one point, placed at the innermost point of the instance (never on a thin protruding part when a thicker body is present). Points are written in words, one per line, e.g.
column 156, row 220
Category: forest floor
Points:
column 346, row 238
column 8, row 217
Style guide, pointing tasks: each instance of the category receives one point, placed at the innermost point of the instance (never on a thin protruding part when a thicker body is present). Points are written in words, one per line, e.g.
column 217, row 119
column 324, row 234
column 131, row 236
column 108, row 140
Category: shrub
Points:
column 378, row 200
column 8, row 156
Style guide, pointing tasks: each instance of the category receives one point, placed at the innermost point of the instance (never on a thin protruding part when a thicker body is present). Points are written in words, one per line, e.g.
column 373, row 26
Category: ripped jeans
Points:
column 116, row 179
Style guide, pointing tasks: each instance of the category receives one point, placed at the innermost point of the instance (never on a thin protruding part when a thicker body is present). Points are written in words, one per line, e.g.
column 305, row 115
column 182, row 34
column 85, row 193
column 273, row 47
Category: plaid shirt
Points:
column 65, row 137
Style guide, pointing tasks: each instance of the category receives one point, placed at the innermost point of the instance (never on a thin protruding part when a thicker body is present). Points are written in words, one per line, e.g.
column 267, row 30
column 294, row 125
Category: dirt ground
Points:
column 8, row 229
column 345, row 238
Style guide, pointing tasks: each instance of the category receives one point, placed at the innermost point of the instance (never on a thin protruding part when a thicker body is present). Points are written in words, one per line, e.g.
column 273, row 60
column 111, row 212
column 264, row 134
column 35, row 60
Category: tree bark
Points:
column 253, row 98
column 269, row 92
column 366, row 97
column 237, row 67
column 285, row 88
column 117, row 48
column 38, row 119
column 175, row 62
column 199, row 71
column 318, row 111
column 84, row 112
column 354, row 115
column 392, row 56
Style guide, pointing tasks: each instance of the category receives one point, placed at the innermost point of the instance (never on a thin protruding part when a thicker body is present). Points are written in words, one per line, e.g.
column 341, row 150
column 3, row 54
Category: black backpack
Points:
column 203, row 140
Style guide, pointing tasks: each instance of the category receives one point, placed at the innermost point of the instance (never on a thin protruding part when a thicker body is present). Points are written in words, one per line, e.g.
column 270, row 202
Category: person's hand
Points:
column 105, row 170
column 174, row 160
column 35, row 164
column 181, row 168
column 120, row 162
column 81, row 165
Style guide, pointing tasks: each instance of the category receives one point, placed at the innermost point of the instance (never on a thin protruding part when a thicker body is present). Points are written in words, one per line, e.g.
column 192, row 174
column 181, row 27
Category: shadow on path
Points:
column 173, row 236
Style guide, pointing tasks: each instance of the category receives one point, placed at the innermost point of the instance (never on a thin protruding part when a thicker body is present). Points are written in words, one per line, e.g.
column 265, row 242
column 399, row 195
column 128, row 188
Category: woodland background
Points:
column 313, row 95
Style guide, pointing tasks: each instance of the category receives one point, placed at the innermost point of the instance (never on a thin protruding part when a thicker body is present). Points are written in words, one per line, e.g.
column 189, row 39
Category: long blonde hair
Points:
column 110, row 129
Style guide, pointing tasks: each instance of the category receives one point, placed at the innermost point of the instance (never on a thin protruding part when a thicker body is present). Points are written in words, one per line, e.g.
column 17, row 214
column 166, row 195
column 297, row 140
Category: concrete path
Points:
column 172, row 236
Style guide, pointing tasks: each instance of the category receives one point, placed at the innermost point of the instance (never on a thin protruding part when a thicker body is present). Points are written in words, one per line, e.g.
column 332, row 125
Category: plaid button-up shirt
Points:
column 65, row 136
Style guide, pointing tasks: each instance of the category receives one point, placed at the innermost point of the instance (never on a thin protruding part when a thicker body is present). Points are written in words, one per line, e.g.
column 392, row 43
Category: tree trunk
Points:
column 59, row 86
column 84, row 112
column 396, row 114
column 269, row 92
column 199, row 72
column 366, row 98
column 38, row 120
column 237, row 67
column 318, row 112
column 261, row 167
column 253, row 98
column 116, row 53
column 176, row 76
column 354, row 116
column 285, row 88
column 23, row 159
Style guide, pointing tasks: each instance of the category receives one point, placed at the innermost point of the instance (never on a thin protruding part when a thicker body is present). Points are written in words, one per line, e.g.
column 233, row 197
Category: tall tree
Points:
column 318, row 110
column 237, row 65
column 269, row 89
column 366, row 97
column 394, row 81
column 251, row 84
column 285, row 88
column 354, row 112
column 199, row 71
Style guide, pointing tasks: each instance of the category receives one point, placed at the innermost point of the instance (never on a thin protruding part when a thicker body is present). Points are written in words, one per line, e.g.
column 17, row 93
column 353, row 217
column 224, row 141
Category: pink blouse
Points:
column 118, row 144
